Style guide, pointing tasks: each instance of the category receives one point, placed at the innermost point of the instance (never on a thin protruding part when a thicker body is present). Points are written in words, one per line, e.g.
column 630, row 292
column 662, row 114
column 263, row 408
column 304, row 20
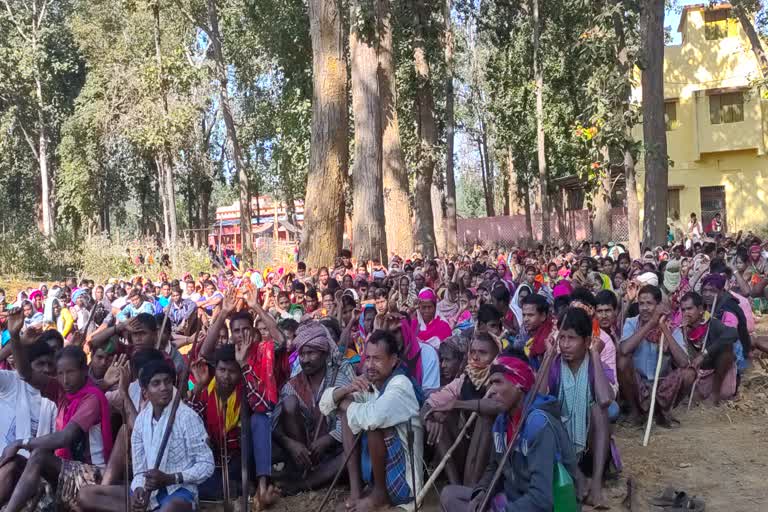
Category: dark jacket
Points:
column 527, row 478
column 727, row 302
column 720, row 338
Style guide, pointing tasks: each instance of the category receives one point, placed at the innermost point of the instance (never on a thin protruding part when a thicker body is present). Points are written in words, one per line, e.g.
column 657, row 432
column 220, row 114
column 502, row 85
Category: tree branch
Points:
column 192, row 19
column 29, row 141
column 16, row 24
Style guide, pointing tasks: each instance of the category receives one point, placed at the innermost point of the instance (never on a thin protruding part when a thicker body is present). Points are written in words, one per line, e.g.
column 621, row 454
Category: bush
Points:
column 30, row 255
column 103, row 259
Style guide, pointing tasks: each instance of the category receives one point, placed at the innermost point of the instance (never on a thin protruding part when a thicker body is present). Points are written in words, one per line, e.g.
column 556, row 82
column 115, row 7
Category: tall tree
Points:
column 541, row 151
column 368, row 232
column 163, row 158
column 397, row 206
column 654, row 131
column 744, row 10
column 324, row 202
column 37, row 61
column 427, row 138
column 451, row 227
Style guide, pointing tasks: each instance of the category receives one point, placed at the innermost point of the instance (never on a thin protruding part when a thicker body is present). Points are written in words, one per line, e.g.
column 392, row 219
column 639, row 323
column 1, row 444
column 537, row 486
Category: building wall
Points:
column 702, row 154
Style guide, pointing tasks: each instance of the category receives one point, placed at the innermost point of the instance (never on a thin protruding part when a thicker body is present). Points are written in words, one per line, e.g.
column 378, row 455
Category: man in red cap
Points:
column 527, row 477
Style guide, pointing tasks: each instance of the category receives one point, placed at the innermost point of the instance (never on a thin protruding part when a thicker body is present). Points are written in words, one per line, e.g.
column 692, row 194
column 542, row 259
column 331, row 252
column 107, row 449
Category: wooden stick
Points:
column 653, row 392
column 244, row 440
column 444, row 462
column 524, row 414
column 440, row 467
column 703, row 351
column 338, row 473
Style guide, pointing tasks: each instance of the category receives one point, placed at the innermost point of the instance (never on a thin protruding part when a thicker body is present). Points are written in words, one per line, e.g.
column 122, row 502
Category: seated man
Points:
column 466, row 393
column 538, row 326
column 75, row 453
column 313, row 442
column 186, row 462
column 638, row 356
column 527, row 479
column 582, row 384
column 711, row 343
column 218, row 400
column 24, row 413
column 181, row 310
column 384, row 404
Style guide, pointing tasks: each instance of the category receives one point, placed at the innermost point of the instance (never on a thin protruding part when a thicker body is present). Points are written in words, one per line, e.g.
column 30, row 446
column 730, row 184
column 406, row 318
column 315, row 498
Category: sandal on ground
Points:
column 670, row 498
column 690, row 505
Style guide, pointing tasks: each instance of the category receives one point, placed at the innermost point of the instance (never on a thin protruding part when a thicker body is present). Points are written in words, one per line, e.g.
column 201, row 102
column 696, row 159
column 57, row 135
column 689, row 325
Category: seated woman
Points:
column 444, row 409
column 527, row 477
column 428, row 327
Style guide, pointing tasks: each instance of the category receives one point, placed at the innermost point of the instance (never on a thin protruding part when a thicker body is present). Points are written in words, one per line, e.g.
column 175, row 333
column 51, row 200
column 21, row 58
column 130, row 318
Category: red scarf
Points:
column 68, row 410
column 215, row 420
column 262, row 362
column 539, row 344
column 697, row 334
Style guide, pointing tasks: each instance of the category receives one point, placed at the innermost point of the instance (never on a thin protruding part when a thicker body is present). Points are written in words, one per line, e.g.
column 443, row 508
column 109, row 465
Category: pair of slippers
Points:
column 673, row 500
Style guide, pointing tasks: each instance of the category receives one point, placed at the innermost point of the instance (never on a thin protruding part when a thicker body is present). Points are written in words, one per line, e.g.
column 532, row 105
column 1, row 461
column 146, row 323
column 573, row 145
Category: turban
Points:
column 648, row 278
column 77, row 294
column 313, row 335
column 672, row 276
column 427, row 294
column 515, row 370
column 716, row 281
column 561, row 289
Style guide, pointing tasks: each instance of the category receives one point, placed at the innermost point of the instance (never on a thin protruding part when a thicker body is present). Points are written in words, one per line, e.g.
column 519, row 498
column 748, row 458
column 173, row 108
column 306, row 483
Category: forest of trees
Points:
column 143, row 116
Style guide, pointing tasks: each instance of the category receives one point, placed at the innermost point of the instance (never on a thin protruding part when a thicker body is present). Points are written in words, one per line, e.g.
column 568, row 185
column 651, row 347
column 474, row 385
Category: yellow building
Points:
column 716, row 123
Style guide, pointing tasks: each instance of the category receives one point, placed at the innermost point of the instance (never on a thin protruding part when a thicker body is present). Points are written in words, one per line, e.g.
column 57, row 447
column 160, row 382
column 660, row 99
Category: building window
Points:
column 726, row 108
column 719, row 24
column 670, row 115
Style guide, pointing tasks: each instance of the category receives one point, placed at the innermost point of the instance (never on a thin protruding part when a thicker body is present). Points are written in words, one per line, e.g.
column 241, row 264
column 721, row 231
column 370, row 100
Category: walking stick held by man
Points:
column 703, row 352
column 143, row 498
column 540, row 377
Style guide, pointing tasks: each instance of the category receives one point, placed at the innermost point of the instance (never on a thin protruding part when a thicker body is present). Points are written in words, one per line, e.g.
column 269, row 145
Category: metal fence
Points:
column 573, row 225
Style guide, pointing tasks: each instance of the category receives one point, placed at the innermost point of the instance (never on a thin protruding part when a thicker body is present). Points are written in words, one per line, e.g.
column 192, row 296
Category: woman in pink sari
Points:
column 429, row 328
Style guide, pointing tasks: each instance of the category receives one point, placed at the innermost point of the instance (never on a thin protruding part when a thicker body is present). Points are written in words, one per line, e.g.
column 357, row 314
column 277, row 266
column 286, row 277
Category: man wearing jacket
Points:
column 527, row 479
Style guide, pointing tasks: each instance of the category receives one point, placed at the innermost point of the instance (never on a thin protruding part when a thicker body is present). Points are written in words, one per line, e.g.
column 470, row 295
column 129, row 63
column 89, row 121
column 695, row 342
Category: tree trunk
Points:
column 538, row 70
column 427, row 140
column 46, row 174
column 654, row 133
column 368, row 199
column 451, row 225
column 164, row 161
column 159, row 165
column 229, row 121
column 483, row 175
column 489, row 178
column 438, row 200
column 397, row 206
column 752, row 35
column 633, row 205
column 601, row 219
column 528, row 216
column 513, row 198
column 328, row 155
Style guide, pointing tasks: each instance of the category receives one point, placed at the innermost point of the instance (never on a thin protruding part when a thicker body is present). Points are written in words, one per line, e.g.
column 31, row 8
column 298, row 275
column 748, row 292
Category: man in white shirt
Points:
column 383, row 404
column 186, row 462
column 24, row 413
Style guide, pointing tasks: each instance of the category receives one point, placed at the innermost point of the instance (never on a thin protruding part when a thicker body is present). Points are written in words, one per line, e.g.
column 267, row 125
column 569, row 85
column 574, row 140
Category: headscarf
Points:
column 648, row 278
column 447, row 309
column 672, row 276
column 516, row 308
column 314, row 335
column 716, row 281
column 48, row 310
column 515, row 370
column 32, row 296
column 427, row 294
